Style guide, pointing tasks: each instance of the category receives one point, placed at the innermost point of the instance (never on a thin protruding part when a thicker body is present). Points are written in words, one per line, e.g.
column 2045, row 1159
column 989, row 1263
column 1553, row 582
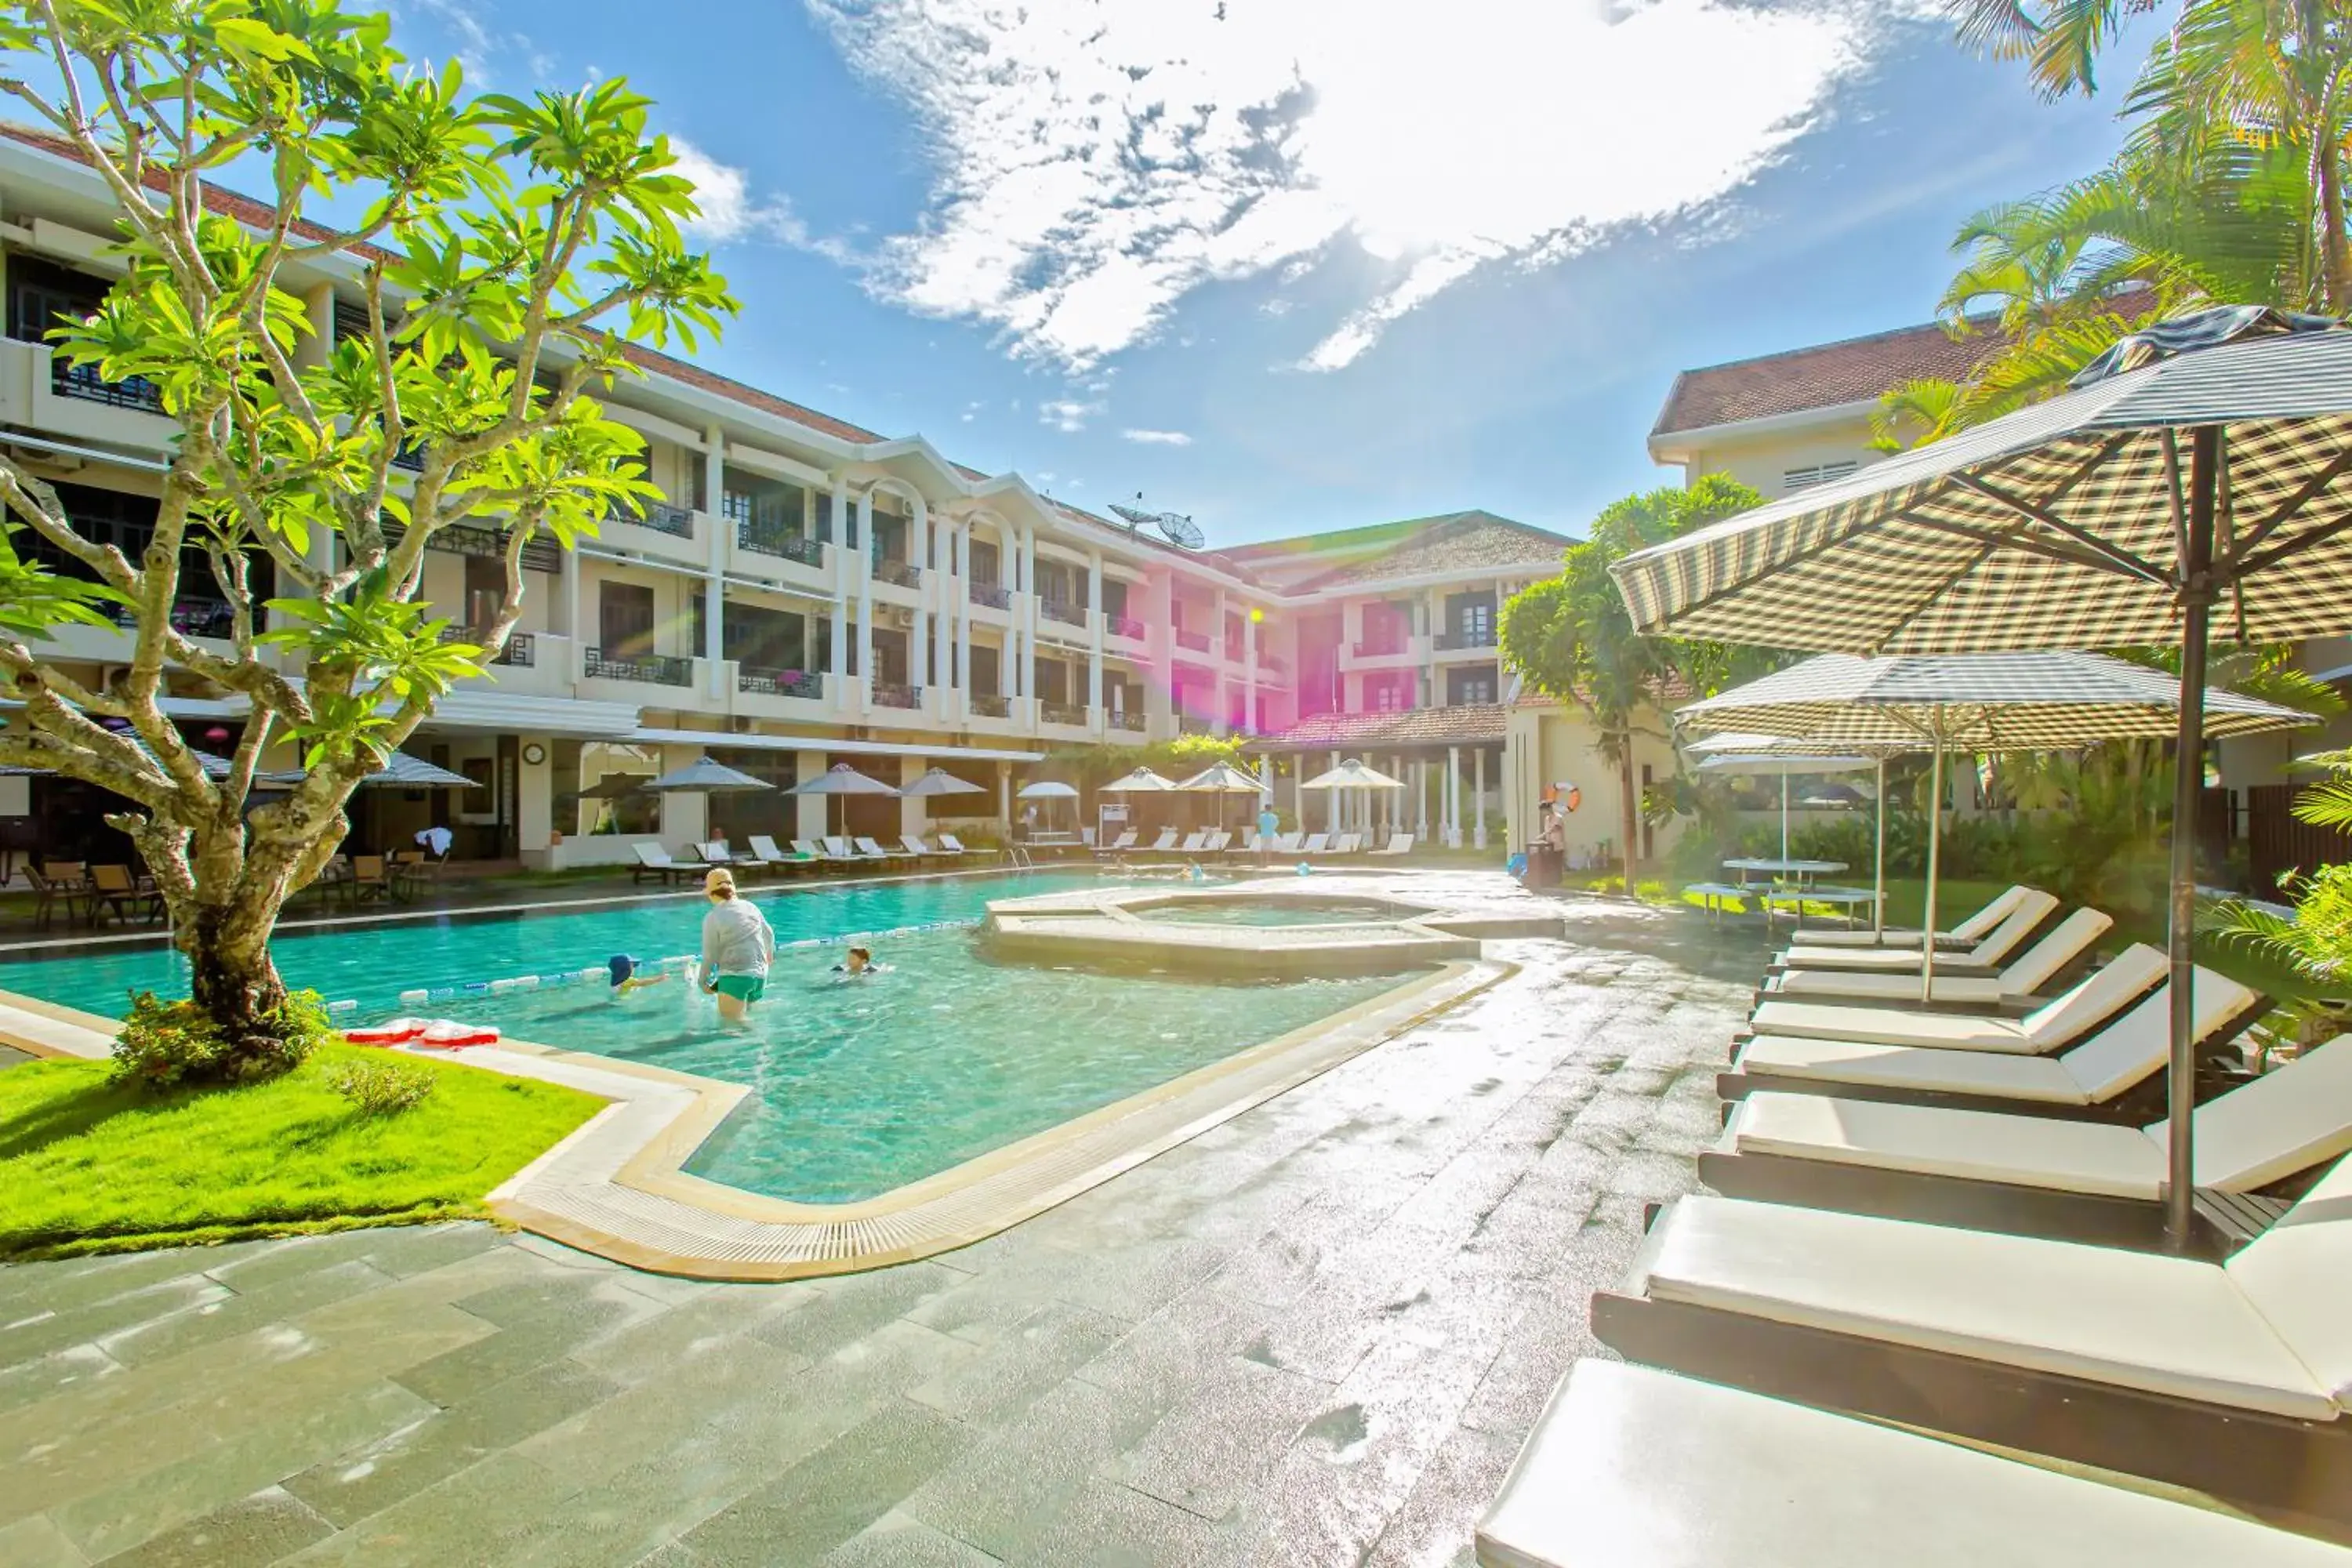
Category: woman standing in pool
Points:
column 737, row 948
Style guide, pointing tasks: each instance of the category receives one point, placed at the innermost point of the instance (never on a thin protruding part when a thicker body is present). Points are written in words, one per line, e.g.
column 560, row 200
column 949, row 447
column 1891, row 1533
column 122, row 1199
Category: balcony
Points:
column 1125, row 626
column 678, row 522
column 1061, row 713
column 520, row 652
column 1272, row 664
column 1127, row 719
column 1454, row 642
column 1386, row 645
column 1062, row 610
column 191, row 616
column 82, row 383
column 807, row 684
column 889, row 694
column 1197, row 641
column 648, row 669
column 751, row 536
column 996, row 596
column 987, row 705
column 898, row 573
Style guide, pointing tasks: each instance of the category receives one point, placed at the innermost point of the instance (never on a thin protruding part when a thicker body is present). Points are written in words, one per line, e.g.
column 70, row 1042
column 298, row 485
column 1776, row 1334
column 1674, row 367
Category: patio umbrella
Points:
column 400, row 771
column 1780, row 746
column 1142, row 781
column 1048, row 789
column 939, row 781
column 710, row 777
column 1974, row 702
column 2197, row 465
column 1222, row 779
column 613, row 787
column 1735, row 754
column 1350, row 775
column 843, row 779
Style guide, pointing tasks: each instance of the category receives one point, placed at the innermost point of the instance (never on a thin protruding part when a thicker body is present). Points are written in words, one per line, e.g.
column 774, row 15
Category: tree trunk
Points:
column 1630, row 809
column 232, row 979
column 225, row 890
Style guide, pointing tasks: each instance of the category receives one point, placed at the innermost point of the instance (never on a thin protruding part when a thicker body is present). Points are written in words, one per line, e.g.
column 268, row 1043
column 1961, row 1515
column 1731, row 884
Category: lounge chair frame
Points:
column 2296, row 1474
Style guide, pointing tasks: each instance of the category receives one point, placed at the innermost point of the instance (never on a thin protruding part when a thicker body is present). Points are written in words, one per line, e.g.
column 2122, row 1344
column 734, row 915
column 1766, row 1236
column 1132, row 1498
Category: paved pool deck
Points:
column 1314, row 1335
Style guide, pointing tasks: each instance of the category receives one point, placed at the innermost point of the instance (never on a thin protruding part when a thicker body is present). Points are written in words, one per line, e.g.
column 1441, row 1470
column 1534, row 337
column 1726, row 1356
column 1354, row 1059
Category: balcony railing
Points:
column 1125, row 719
column 1234, row 652
column 1197, row 641
column 411, row 456
column 652, row 668
column 889, row 694
column 804, row 683
column 751, row 536
column 1272, row 664
column 996, row 596
column 678, row 522
column 1124, row 627
column 988, row 705
column 191, row 617
column 520, row 651
column 1193, row 724
column 1478, row 638
column 82, row 381
column 898, row 573
column 1380, row 646
column 1061, row 713
column 1062, row 610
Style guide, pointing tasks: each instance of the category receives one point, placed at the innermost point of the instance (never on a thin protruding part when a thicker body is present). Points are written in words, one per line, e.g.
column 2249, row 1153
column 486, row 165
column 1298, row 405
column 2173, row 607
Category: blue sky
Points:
column 1298, row 266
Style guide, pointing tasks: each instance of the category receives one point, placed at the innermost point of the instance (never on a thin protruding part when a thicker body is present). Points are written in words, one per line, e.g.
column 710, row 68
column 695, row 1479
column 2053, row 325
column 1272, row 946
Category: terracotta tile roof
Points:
column 1853, row 370
column 1473, row 723
column 1454, row 542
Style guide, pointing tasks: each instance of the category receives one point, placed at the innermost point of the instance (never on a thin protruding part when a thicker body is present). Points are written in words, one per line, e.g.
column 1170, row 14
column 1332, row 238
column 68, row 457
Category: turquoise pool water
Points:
column 1286, row 912
column 859, row 1087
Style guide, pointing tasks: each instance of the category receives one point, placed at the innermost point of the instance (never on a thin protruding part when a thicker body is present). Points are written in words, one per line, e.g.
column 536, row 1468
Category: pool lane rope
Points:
column 423, row 996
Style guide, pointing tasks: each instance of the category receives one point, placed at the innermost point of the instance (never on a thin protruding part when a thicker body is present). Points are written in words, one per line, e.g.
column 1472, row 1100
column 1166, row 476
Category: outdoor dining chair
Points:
column 371, row 879
column 59, row 884
column 116, row 889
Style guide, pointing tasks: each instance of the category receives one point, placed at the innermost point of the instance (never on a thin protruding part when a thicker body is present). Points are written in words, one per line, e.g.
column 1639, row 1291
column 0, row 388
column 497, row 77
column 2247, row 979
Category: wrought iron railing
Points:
column 1124, row 627
column 1061, row 713
column 520, row 651
column 678, row 522
column 988, row 705
column 788, row 546
column 1272, row 664
column 1380, row 646
column 1127, row 719
column 888, row 694
column 898, row 573
column 1062, row 610
column 805, row 683
column 996, row 596
column 653, row 668
column 192, row 617
column 1478, row 638
column 83, row 381
column 1197, row 641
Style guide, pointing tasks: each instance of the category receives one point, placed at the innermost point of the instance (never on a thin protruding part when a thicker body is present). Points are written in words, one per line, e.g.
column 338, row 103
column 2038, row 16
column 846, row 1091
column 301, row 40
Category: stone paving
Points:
column 1316, row 1334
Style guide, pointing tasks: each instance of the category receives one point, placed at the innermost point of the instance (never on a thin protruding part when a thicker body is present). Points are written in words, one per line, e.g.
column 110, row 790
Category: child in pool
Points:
column 860, row 962
column 625, row 978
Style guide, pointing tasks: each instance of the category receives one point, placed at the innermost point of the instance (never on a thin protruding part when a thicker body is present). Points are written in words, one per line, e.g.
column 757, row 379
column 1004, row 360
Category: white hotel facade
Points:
column 807, row 592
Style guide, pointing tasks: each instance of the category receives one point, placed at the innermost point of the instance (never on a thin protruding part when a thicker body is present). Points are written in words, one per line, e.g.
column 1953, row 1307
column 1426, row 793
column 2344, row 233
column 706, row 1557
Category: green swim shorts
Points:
column 742, row 987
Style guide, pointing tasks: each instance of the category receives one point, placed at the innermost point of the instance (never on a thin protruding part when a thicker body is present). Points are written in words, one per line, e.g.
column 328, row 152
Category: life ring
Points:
column 448, row 1035
column 398, row 1032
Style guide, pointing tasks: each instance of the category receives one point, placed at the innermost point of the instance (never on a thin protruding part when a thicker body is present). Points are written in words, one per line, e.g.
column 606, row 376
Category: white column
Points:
column 910, row 811
column 1454, row 797
column 814, row 818
column 1478, row 799
column 1095, row 641
column 953, row 604
column 919, row 637
column 837, row 683
column 1333, row 804
column 864, row 567
column 1420, row 798
column 1249, row 669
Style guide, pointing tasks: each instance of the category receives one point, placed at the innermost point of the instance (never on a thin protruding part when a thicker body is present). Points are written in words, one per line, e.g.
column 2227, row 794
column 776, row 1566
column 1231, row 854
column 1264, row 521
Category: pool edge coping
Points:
column 616, row 1185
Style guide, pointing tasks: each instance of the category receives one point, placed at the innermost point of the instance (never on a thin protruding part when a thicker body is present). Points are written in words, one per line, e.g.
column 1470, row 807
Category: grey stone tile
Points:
column 856, row 1304
column 30, row 1290
column 261, row 1528
column 616, row 1433
column 564, row 1322
column 1112, row 1526
column 34, row 1542
column 277, row 1298
column 1438, row 1524
column 1015, row 1479
column 1221, row 1443
column 30, row 1381
column 403, row 1250
column 1039, row 1351
column 657, row 1346
column 46, row 1329
column 899, row 1541
column 833, row 1495
column 472, row 1517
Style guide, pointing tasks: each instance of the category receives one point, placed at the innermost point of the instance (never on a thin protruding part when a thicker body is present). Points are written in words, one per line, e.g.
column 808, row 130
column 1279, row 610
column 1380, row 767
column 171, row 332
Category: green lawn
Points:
column 90, row 1166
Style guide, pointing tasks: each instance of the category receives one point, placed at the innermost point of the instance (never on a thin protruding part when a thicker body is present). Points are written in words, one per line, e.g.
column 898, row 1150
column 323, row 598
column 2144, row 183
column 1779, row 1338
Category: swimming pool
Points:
column 858, row 1086
column 1284, row 911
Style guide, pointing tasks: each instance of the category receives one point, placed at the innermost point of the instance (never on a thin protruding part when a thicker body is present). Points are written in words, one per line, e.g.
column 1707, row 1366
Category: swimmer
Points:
column 861, row 961
column 1192, row 872
column 625, row 978
column 737, row 949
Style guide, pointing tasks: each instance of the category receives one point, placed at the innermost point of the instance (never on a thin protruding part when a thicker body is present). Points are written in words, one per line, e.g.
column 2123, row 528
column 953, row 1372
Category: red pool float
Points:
column 398, row 1032
column 448, row 1035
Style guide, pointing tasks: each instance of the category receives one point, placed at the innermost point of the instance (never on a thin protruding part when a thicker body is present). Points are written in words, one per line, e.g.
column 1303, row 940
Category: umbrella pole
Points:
column 2187, row 777
column 1784, row 813
column 1935, row 867
column 1878, row 888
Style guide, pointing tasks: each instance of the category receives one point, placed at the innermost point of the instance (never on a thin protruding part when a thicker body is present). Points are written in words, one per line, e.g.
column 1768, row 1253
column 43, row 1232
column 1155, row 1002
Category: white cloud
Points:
column 1158, row 437
column 730, row 212
column 1098, row 160
column 1066, row 413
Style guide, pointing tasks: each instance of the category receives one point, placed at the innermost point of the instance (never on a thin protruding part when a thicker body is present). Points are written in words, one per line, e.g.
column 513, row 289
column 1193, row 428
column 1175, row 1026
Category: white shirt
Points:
column 736, row 940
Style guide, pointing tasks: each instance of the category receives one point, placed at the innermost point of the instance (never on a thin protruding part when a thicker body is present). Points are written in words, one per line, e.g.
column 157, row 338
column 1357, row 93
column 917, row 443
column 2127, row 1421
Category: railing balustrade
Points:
column 652, row 668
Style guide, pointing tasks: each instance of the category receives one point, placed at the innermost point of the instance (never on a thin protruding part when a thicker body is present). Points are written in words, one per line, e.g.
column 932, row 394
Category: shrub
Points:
column 381, row 1087
column 166, row 1044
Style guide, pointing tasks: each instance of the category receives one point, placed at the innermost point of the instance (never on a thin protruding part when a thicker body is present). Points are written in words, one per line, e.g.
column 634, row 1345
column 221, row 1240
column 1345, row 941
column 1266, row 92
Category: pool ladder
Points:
column 1020, row 857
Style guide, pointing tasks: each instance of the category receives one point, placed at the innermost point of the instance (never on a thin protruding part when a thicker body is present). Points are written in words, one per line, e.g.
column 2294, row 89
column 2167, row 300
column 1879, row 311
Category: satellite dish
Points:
column 1182, row 531
column 1133, row 518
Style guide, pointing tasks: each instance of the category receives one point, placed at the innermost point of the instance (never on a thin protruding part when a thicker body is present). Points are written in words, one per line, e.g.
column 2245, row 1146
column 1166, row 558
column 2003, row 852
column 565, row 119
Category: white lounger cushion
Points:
column 2033, row 969
column 2296, row 1273
column 2291, row 1119
column 1971, row 930
column 1914, row 1067
column 1997, row 944
column 1932, row 1141
column 2145, row 1321
column 2092, row 1001
column 1633, row 1468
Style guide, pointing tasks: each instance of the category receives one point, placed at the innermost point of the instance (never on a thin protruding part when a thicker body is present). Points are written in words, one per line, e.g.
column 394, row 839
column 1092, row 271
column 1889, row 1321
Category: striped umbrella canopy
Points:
column 1352, row 774
column 713, row 778
column 402, row 770
column 1224, row 778
column 1774, row 756
column 1142, row 781
column 2202, row 468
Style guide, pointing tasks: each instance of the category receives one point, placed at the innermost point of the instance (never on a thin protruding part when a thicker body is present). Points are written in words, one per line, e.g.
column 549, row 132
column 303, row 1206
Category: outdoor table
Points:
column 1799, row 871
column 1797, row 897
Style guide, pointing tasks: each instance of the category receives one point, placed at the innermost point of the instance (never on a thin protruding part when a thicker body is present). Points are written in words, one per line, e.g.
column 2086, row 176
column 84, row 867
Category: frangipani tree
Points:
column 503, row 246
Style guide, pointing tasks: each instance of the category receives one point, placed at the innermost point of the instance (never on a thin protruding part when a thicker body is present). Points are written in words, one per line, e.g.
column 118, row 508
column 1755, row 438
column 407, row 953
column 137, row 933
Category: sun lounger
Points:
column 1315, row 844
column 2090, row 1080
column 653, row 860
column 810, row 849
column 2090, row 1003
column 2028, row 973
column 1287, row 843
column 870, row 850
column 920, row 848
column 1120, row 846
column 715, row 852
column 951, row 844
column 1398, row 844
column 765, row 853
column 2231, row 1379
column 1985, row 957
column 1633, row 1468
column 1967, row 933
column 2033, row 1175
column 1219, row 842
column 837, row 848
column 1164, row 843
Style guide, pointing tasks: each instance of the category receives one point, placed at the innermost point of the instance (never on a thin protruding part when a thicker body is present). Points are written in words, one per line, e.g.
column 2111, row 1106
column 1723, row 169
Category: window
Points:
column 1470, row 620
column 486, row 590
column 983, row 671
column 1474, row 685
column 624, row 619
column 1052, row 681
column 1795, row 479
column 984, row 561
column 41, row 294
column 1390, row 693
